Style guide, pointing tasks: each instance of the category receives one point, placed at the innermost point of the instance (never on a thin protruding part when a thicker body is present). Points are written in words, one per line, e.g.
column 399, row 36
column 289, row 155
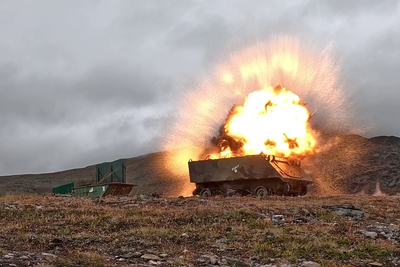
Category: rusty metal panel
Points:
column 118, row 189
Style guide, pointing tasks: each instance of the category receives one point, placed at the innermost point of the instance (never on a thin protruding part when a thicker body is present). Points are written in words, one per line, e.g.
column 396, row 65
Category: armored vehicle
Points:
column 259, row 175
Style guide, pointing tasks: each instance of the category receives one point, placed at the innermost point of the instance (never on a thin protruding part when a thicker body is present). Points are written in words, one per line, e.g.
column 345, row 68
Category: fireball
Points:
column 271, row 121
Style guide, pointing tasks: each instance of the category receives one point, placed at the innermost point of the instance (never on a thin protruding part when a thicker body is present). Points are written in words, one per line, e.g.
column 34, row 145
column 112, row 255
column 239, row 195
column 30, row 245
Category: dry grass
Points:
column 86, row 232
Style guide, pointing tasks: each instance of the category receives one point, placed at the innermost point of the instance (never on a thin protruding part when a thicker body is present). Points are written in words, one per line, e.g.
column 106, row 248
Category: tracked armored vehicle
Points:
column 259, row 175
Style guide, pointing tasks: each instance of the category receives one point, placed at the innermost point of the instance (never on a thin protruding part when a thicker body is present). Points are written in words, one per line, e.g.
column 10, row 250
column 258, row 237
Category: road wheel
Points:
column 205, row 193
column 261, row 191
column 303, row 190
column 287, row 188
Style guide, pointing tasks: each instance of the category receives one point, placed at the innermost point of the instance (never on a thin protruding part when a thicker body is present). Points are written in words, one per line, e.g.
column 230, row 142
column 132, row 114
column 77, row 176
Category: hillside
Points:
column 346, row 164
column 354, row 164
column 146, row 171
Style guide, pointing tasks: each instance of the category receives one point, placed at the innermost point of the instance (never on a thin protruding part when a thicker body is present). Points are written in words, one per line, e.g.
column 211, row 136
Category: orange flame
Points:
column 271, row 121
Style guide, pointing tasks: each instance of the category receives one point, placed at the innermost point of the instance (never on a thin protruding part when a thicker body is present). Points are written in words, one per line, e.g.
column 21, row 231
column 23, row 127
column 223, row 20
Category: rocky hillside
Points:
column 354, row 164
column 346, row 164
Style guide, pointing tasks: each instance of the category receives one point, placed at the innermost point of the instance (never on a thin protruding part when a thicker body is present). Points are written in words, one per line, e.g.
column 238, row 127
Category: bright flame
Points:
column 271, row 121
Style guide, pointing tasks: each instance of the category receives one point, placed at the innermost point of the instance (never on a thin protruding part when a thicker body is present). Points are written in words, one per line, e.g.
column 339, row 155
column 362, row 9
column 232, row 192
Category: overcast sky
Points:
column 89, row 81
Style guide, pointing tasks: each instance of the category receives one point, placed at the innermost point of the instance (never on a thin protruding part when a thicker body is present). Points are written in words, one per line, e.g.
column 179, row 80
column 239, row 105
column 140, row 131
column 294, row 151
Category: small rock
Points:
column 163, row 255
column 213, row 261
column 137, row 254
column 126, row 256
column 48, row 255
column 346, row 211
column 208, row 259
column 154, row 262
column 24, row 257
column 150, row 257
column 375, row 264
column 386, row 235
column 185, row 235
column 179, row 203
column 270, row 235
column 13, row 265
column 235, row 262
column 143, row 197
column 310, row 264
column 222, row 241
column 300, row 220
column 277, row 218
column 223, row 262
column 368, row 234
column 8, row 256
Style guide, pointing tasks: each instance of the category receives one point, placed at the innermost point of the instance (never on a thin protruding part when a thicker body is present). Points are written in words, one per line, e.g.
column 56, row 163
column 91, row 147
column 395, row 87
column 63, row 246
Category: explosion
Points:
column 272, row 121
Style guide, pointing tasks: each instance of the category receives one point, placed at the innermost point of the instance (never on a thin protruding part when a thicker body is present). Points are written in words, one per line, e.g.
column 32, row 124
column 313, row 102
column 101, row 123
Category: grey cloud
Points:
column 89, row 81
column 161, row 122
column 53, row 109
column 356, row 7
column 118, row 86
column 56, row 101
column 202, row 35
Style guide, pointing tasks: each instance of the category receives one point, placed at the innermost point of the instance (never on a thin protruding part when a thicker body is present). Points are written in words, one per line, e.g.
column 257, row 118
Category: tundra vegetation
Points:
column 233, row 231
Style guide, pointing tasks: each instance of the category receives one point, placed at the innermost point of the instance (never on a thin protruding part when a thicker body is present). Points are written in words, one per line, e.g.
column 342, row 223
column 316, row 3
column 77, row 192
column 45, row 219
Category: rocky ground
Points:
column 234, row 231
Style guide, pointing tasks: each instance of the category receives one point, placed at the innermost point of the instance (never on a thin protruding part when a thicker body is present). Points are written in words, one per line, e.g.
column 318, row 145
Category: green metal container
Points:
column 63, row 189
column 90, row 191
column 115, row 189
column 109, row 172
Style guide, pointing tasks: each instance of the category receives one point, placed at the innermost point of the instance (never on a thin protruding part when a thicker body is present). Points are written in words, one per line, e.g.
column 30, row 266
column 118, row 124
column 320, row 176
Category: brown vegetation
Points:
column 194, row 232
